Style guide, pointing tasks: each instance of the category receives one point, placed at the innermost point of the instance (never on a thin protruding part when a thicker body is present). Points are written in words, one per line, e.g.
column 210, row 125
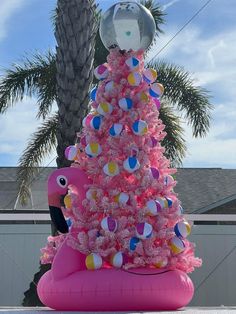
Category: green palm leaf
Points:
column 41, row 144
column 181, row 92
column 174, row 143
column 35, row 76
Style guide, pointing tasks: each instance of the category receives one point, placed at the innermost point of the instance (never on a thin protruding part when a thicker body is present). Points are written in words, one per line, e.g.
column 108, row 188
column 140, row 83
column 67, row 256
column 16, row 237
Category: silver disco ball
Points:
column 127, row 25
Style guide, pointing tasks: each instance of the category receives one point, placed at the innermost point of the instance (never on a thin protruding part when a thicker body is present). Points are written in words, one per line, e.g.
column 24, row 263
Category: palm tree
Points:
column 66, row 77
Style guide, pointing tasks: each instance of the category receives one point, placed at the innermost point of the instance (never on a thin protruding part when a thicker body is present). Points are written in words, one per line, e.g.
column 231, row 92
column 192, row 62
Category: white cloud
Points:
column 169, row 4
column 211, row 60
column 7, row 9
column 16, row 127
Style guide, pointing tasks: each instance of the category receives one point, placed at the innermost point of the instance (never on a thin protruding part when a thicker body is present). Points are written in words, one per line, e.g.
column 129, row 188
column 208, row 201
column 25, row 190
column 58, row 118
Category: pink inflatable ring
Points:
column 64, row 288
column 70, row 286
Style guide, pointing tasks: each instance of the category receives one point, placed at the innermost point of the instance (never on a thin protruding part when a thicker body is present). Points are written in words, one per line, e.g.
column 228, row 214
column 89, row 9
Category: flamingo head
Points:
column 58, row 184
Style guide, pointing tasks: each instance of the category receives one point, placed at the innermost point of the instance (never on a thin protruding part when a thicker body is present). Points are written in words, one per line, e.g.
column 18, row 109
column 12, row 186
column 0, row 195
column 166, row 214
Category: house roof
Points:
column 199, row 189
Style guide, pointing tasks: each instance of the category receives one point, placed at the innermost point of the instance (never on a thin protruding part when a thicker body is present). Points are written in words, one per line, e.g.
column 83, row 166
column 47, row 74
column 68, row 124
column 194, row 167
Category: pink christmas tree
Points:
column 131, row 216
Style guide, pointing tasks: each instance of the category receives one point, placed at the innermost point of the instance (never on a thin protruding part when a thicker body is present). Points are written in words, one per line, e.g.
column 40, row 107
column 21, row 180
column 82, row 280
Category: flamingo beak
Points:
column 57, row 215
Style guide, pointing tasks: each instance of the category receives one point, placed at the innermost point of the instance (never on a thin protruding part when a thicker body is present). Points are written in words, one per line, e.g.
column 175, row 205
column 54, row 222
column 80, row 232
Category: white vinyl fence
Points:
column 215, row 281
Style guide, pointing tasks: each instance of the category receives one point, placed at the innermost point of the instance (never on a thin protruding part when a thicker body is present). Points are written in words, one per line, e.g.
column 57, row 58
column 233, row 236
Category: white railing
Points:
column 46, row 217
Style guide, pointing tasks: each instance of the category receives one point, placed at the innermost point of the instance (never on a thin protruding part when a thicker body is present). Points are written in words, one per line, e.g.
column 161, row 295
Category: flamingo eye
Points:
column 62, row 181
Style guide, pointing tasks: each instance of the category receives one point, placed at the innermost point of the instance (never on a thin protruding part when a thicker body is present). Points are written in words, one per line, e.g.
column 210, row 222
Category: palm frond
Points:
column 35, row 76
column 41, row 143
column 186, row 96
column 174, row 143
column 156, row 12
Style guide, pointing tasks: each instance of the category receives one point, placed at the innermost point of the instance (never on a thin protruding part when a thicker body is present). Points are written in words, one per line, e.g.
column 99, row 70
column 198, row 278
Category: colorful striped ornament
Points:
column 133, row 243
column 93, row 261
column 91, row 194
column 176, row 245
column 104, row 108
column 109, row 224
column 150, row 75
column 156, row 90
column 140, row 127
column 134, row 79
column 93, row 149
column 116, row 129
column 144, row 97
column 131, row 164
column 111, row 169
column 86, row 120
column 144, row 230
column 153, row 207
column 182, row 229
column 125, row 104
column 132, row 63
column 109, row 86
column 155, row 173
column 101, row 72
column 157, row 103
column 121, row 198
column 96, row 122
column 93, row 94
column 118, row 259
column 71, row 152
column 161, row 264
column 68, row 201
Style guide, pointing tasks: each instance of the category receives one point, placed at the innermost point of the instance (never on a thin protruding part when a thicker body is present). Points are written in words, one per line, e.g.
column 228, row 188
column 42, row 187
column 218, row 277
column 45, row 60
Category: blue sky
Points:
column 206, row 48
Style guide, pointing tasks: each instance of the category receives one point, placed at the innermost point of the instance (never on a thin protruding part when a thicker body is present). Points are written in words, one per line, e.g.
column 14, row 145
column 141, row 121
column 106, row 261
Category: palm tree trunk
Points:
column 75, row 32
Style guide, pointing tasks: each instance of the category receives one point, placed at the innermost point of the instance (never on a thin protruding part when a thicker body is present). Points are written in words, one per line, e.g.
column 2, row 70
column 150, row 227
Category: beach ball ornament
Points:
column 144, row 230
column 176, row 245
column 116, row 129
column 71, row 152
column 69, row 223
column 140, row 127
column 118, row 259
column 109, row 224
column 96, row 122
column 125, row 104
column 127, row 25
column 93, row 261
column 157, row 103
column 153, row 207
column 111, row 169
column 134, row 79
column 68, row 201
column 155, row 173
column 109, row 86
column 133, row 243
column 122, row 198
column 164, row 202
column 93, row 94
column 182, row 229
column 87, row 119
column 93, row 149
column 154, row 141
column 156, row 90
column 168, row 180
column 131, row 164
column 162, row 263
column 101, row 72
column 132, row 63
column 104, row 108
column 91, row 194
column 150, row 75
column 143, row 97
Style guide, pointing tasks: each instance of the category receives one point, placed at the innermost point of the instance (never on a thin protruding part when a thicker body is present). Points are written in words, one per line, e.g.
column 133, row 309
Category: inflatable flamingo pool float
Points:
column 70, row 286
